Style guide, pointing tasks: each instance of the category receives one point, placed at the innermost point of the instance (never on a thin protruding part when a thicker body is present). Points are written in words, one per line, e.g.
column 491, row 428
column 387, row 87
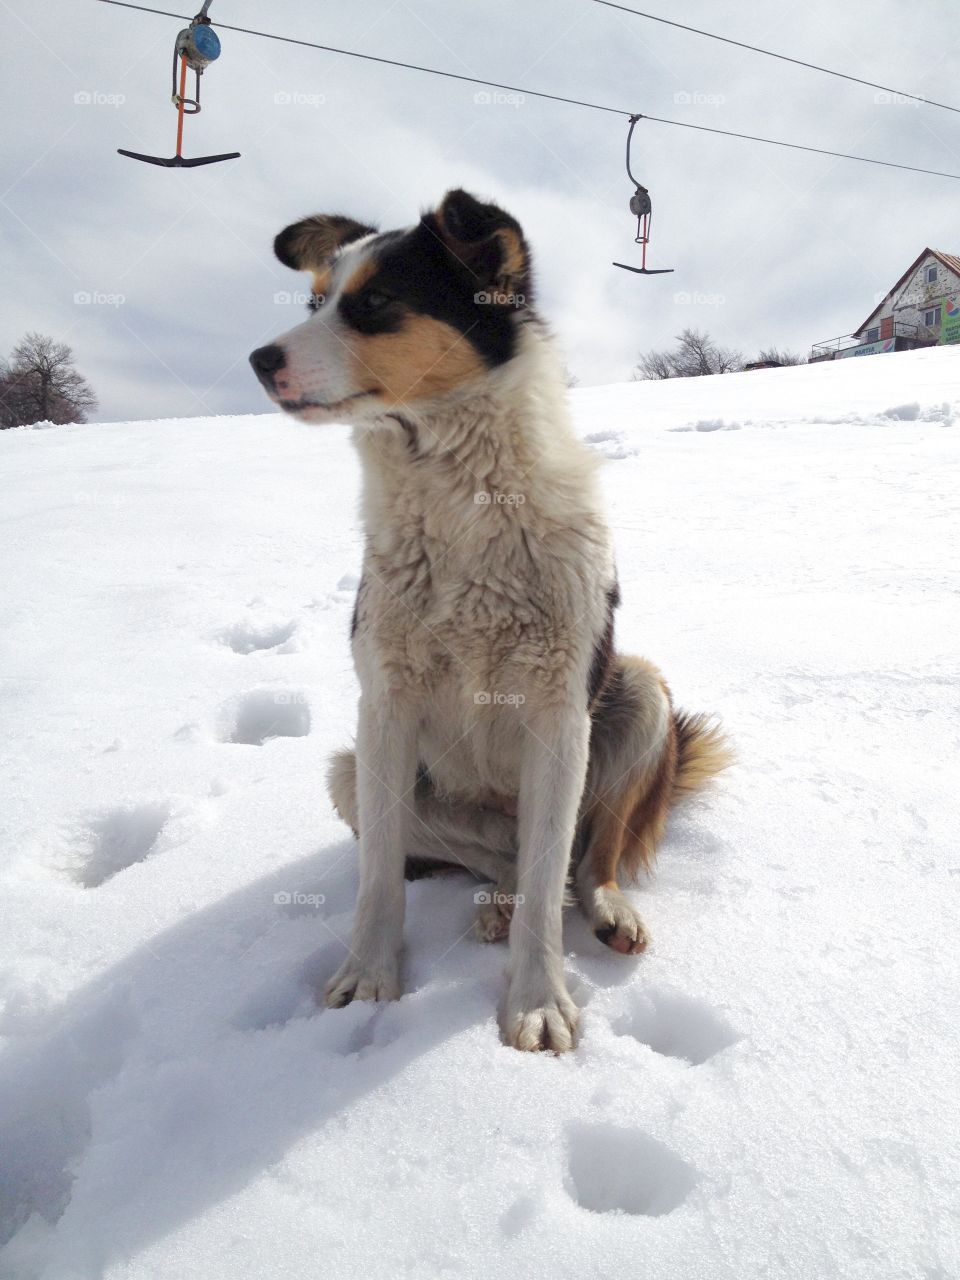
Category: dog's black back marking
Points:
column 355, row 619
column 603, row 652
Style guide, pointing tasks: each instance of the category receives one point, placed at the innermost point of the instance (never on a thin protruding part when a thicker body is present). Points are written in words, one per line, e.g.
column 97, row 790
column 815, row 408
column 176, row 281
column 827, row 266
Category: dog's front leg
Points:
column 539, row 1013
column 386, row 773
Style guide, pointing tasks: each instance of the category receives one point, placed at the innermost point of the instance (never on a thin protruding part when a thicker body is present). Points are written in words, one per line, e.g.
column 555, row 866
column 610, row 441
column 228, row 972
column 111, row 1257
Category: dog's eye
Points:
column 376, row 300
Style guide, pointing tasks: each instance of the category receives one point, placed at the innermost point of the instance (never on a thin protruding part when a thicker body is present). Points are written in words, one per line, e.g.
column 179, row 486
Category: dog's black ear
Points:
column 311, row 243
column 485, row 240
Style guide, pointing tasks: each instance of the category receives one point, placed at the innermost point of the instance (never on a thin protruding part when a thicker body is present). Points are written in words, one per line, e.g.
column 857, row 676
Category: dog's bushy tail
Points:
column 632, row 788
column 703, row 751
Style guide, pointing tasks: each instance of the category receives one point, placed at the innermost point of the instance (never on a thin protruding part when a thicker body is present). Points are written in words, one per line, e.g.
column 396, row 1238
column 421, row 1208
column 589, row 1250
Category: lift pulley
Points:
column 642, row 209
column 196, row 47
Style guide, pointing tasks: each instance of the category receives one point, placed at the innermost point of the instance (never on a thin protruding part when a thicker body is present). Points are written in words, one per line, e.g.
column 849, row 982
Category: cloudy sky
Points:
column 770, row 246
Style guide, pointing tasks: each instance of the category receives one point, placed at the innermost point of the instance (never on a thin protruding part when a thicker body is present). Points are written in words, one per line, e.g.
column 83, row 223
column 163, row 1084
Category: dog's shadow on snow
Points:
column 169, row 1082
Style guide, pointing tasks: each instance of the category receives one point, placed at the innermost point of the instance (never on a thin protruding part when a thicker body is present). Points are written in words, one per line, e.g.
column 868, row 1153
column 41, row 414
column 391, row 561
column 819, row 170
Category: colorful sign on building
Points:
column 869, row 349
column 950, row 319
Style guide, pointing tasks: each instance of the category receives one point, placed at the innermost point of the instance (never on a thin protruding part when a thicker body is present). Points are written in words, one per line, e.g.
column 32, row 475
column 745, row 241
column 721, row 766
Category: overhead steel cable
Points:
column 372, row 57
column 796, row 146
column 539, row 93
column 783, row 57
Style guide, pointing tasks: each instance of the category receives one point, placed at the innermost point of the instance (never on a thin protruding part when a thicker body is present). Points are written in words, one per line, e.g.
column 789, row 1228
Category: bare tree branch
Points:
column 41, row 384
column 696, row 355
column 773, row 355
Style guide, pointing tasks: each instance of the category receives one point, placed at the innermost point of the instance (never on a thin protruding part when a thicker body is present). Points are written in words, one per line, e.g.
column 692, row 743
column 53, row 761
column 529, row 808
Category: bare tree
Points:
column 42, row 384
column 654, row 365
column 11, row 412
column 727, row 359
column 696, row 355
column 774, row 355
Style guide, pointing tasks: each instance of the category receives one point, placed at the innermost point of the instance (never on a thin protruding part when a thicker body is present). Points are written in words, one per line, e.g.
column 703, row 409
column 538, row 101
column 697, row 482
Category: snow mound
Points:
column 768, row 1092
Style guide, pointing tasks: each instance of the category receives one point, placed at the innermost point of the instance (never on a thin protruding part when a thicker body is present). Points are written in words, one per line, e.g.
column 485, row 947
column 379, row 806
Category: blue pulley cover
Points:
column 206, row 42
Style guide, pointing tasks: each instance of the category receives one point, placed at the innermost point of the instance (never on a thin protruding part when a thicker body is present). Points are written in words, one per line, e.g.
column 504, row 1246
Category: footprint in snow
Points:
column 382, row 1028
column 610, row 443
column 277, row 1002
column 675, row 1026
column 282, row 997
column 520, row 1215
column 616, row 1170
column 116, row 840
column 248, row 636
column 709, row 424
column 254, row 718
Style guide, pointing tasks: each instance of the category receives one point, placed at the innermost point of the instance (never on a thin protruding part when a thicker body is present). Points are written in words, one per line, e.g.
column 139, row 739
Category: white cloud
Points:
column 795, row 246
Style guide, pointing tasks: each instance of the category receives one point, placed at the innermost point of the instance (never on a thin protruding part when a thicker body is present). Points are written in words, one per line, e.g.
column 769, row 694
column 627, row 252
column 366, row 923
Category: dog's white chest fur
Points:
column 486, row 569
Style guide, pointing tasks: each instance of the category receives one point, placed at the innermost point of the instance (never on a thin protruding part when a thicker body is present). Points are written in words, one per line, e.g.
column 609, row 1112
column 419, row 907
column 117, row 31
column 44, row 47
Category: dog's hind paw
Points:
column 616, row 922
column 547, row 1024
column 378, row 980
column 494, row 913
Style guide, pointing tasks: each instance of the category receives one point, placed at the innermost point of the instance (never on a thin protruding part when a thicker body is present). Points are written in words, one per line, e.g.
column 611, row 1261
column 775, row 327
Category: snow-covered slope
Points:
column 770, row 1091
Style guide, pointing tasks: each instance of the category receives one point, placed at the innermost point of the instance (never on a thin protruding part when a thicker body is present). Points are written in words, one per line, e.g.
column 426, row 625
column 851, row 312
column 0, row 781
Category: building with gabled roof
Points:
column 921, row 310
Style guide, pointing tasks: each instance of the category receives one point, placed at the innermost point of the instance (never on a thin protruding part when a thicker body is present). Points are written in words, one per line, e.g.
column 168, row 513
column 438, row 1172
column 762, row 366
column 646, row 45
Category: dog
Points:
column 499, row 729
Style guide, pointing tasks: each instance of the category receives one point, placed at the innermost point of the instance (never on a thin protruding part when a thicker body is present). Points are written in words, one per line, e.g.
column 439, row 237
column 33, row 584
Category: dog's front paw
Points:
column 358, row 979
column 539, row 1017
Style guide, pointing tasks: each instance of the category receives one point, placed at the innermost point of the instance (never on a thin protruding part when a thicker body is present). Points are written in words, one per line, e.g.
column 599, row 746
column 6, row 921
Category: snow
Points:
column 770, row 1092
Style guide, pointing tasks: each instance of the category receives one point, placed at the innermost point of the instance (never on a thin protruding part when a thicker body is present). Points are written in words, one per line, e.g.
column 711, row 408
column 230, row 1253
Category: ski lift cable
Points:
column 539, row 93
column 371, row 57
column 783, row 57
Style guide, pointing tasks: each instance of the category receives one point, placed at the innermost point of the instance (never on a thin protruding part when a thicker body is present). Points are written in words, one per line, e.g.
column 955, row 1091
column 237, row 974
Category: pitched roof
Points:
column 949, row 260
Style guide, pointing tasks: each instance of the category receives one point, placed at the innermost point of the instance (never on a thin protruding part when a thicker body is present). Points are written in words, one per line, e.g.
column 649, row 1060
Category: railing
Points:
column 901, row 329
column 830, row 345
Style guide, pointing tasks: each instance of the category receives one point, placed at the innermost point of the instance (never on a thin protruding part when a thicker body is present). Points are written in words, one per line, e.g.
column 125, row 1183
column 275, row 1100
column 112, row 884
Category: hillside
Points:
column 770, row 1091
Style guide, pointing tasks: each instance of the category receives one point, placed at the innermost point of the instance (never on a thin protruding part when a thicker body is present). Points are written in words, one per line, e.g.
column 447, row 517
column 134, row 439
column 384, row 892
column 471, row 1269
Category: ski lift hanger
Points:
column 196, row 47
column 642, row 208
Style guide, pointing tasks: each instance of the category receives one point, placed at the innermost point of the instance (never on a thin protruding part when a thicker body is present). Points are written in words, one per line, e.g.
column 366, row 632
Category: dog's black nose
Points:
column 267, row 361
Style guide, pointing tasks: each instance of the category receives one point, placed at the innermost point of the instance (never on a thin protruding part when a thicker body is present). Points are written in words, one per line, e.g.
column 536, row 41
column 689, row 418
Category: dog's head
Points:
column 401, row 317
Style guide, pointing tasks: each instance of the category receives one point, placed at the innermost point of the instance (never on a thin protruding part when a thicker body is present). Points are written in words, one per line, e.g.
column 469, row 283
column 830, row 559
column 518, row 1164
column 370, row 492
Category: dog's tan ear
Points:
column 311, row 243
column 485, row 240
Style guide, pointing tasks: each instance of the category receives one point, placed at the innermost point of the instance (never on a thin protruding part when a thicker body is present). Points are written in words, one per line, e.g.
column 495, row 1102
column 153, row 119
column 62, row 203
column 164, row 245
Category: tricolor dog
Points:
column 499, row 729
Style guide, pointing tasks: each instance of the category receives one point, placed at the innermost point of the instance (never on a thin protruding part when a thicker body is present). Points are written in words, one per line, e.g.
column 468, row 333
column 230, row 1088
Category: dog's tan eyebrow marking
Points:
column 332, row 268
column 363, row 275
column 321, row 281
